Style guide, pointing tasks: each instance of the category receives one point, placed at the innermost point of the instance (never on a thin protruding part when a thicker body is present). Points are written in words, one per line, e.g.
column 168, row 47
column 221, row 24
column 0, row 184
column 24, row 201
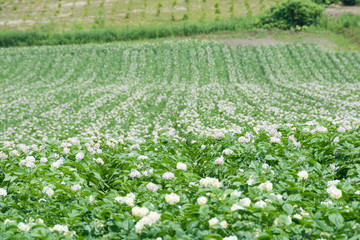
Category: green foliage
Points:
column 31, row 38
column 292, row 13
column 349, row 2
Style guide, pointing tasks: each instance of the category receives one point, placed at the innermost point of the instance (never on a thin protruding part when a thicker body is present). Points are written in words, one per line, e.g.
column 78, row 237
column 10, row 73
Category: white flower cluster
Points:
column 279, row 222
column 142, row 157
column 334, row 192
column 293, row 140
column 139, row 211
column 149, row 220
column 3, row 192
column 99, row 161
column 58, row 163
column 260, row 204
column 168, row 175
column 172, row 198
column 3, row 155
column 206, row 182
column 275, row 140
column 137, row 174
column 303, row 175
column 230, row 238
column 29, row 162
column 181, row 166
column 79, row 156
column 219, row 161
column 202, row 200
column 333, row 183
column 227, row 152
column 152, row 187
column 49, row 191
column 60, row 228
column 76, row 187
column 235, row 193
column 266, row 186
column 245, row 202
column 128, row 199
column 23, row 227
column 243, row 139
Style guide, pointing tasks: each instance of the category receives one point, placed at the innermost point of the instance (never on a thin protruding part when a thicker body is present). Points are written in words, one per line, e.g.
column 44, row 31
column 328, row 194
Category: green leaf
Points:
column 337, row 220
column 288, row 208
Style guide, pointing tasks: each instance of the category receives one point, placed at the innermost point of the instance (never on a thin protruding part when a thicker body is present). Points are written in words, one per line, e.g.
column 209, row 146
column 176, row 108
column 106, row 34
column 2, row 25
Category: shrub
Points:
column 349, row 2
column 291, row 13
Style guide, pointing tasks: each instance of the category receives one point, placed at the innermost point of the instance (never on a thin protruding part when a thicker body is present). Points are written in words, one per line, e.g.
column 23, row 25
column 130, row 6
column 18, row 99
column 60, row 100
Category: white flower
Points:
column 150, row 219
column 235, row 193
column 230, row 238
column 333, row 183
column 303, row 175
column 91, row 198
column 23, row 227
column 66, row 150
column 13, row 153
column 278, row 222
column 139, row 211
column 142, row 157
column 8, row 221
column 152, row 187
column 219, row 161
column 297, row 216
column 203, row 147
column 336, row 139
column 266, row 186
column 172, row 198
column 3, row 192
column 202, row 200
column 241, row 170
column 60, row 228
column 48, row 191
column 265, row 166
column 135, row 173
column 228, row 152
column 251, row 181
column 236, row 207
column 39, row 221
column 76, row 187
column 224, row 224
column 260, row 204
column 206, row 182
column 333, row 167
column 357, row 192
column 79, row 156
column 99, row 161
column 213, row 222
column 168, row 175
column 341, row 129
column 245, row 202
column 243, row 140
column 181, row 166
column 327, row 203
column 43, row 160
column 334, row 192
column 275, row 140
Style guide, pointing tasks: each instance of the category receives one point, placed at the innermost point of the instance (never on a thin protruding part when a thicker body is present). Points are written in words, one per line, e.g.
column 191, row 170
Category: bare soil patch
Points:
column 336, row 10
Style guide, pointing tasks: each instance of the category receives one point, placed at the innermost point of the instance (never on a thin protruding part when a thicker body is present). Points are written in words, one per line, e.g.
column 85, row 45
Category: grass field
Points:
column 76, row 14
column 179, row 140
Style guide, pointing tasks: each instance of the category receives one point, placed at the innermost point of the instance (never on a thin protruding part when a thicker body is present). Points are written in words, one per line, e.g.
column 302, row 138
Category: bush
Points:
column 291, row 13
column 349, row 2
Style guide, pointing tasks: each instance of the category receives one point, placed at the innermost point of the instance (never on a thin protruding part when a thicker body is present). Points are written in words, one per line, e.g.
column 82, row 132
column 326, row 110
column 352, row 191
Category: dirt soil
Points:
column 336, row 10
